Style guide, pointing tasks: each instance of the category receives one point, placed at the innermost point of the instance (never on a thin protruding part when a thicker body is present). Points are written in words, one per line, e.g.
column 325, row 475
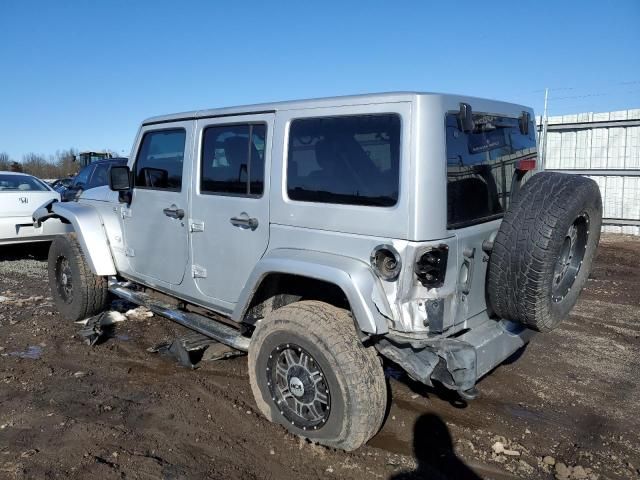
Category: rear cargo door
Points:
column 485, row 167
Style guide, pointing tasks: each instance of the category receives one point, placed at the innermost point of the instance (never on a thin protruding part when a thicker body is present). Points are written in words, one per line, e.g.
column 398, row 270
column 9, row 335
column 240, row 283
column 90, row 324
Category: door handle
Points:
column 244, row 221
column 174, row 212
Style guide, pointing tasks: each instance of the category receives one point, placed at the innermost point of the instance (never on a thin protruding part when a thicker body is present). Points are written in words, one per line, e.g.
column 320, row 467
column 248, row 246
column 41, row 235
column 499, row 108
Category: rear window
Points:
column 20, row 183
column 348, row 160
column 481, row 166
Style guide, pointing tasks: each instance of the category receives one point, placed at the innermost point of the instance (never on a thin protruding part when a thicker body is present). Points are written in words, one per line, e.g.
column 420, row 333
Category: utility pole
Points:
column 543, row 137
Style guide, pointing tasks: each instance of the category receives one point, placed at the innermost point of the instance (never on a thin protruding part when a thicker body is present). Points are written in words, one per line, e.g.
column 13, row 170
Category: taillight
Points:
column 431, row 266
column 526, row 164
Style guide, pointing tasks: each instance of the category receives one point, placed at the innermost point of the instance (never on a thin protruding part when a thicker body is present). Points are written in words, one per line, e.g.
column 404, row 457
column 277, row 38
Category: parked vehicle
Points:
column 88, row 157
column 334, row 232
column 93, row 175
column 62, row 184
column 20, row 195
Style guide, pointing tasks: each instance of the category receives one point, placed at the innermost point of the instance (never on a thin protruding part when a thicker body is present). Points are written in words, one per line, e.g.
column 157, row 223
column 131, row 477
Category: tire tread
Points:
column 522, row 258
column 358, row 366
column 91, row 291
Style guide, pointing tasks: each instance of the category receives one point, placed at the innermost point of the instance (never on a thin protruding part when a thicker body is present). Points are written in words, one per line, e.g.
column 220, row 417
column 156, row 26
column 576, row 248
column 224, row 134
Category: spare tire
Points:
column 544, row 249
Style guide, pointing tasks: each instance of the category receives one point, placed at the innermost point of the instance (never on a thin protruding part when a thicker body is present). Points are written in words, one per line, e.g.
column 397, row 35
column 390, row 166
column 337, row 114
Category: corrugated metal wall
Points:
column 573, row 145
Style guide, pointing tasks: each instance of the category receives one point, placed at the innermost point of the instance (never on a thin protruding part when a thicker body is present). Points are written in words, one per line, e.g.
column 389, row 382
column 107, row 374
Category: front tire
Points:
column 76, row 291
column 311, row 373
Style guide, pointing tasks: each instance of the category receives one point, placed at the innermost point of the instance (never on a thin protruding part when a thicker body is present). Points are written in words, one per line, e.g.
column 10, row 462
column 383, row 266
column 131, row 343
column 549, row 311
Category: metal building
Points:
column 606, row 147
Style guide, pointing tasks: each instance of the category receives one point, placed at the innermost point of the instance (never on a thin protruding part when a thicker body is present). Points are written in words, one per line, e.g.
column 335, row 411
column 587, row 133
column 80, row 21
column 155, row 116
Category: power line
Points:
column 589, row 95
column 603, row 85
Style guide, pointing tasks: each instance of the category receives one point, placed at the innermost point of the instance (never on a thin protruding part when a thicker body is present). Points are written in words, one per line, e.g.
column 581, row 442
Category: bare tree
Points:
column 65, row 161
column 59, row 165
column 5, row 161
column 38, row 166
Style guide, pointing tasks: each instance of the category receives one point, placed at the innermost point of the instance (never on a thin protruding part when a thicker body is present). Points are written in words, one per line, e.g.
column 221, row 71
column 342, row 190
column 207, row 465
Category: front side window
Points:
column 160, row 160
column 232, row 160
column 100, row 175
column 348, row 160
column 82, row 178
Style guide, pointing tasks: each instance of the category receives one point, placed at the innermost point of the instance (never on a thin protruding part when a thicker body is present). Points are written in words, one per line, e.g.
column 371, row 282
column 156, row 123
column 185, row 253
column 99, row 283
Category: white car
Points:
column 20, row 196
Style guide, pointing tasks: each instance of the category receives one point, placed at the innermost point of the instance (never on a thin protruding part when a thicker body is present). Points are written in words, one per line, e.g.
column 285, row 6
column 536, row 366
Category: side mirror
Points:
column 119, row 178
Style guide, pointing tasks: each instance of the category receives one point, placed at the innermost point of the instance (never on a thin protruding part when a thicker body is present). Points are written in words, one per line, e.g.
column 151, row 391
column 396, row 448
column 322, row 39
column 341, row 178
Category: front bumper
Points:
column 459, row 362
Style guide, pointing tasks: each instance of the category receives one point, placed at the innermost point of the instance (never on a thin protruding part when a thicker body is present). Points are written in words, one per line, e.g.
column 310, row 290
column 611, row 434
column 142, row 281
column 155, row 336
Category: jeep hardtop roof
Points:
column 322, row 102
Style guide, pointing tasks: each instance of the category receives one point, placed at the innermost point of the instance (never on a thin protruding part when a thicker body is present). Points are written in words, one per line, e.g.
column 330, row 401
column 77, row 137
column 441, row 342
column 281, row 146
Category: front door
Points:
column 230, row 214
column 155, row 223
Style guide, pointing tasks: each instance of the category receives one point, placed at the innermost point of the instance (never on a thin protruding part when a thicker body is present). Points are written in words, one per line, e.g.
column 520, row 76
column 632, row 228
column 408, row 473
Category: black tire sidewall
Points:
column 559, row 310
column 283, row 333
column 75, row 309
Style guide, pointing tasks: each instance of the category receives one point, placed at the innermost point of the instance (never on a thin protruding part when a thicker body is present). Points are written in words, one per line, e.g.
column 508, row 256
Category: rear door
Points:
column 155, row 222
column 230, row 203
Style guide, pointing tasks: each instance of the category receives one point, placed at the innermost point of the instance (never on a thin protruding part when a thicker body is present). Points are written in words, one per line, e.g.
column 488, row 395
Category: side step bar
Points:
column 201, row 324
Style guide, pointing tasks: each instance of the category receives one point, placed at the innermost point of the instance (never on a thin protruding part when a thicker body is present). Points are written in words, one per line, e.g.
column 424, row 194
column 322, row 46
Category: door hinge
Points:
column 129, row 252
column 198, row 272
column 196, row 226
column 125, row 212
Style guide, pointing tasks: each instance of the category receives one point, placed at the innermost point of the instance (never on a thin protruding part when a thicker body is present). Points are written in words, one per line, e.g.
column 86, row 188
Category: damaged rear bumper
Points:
column 457, row 363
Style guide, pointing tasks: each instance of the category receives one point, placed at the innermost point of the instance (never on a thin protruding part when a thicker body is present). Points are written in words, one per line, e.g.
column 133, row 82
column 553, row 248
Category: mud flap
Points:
column 449, row 361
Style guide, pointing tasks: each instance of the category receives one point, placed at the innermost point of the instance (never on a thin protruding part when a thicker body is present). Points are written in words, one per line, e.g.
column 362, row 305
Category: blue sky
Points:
column 85, row 73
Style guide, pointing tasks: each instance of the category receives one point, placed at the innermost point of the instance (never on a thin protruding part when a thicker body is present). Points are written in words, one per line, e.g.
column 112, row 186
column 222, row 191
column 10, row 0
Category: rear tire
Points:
column 76, row 291
column 543, row 252
column 310, row 372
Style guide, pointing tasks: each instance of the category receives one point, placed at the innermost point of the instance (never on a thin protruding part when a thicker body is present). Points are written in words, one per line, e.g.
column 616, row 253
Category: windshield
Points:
column 481, row 166
column 20, row 183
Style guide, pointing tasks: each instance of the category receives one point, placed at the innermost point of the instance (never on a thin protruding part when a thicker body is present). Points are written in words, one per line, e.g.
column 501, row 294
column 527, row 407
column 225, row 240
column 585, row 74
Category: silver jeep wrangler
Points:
column 321, row 236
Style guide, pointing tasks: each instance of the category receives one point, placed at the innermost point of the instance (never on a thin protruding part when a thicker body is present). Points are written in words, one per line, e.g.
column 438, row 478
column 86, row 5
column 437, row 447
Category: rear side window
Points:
column 232, row 160
column 348, row 160
column 160, row 160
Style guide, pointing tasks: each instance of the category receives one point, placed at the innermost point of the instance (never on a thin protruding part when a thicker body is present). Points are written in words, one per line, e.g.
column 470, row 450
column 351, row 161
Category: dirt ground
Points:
column 568, row 407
